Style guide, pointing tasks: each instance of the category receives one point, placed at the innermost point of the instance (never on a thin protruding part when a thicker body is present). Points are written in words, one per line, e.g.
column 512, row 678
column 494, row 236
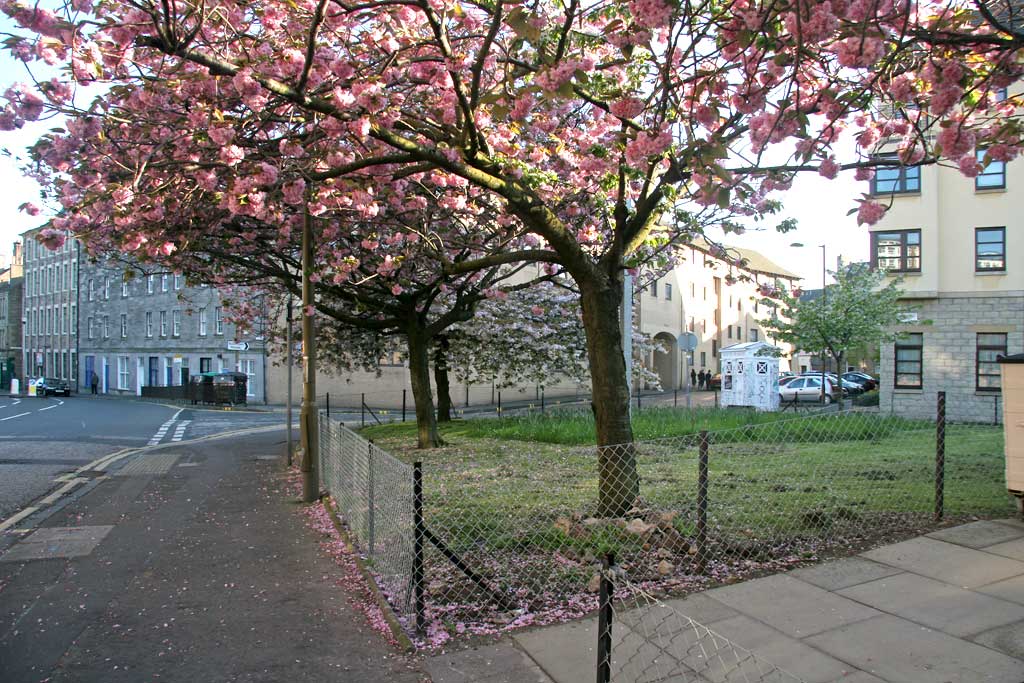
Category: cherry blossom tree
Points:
column 597, row 127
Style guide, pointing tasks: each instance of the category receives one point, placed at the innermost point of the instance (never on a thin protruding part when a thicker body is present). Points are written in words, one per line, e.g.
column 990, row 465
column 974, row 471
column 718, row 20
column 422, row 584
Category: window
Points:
column 163, row 282
column 89, row 286
column 992, row 176
column 668, row 292
column 754, row 334
column 218, row 320
column 989, row 249
column 122, row 372
column 1001, row 94
column 654, row 288
column 176, row 323
column 74, row 275
column 714, row 348
column 739, row 333
column 124, row 288
column 149, row 284
column 177, row 281
column 106, row 327
column 202, row 322
column 703, row 358
column 729, row 331
column 249, row 368
column 986, row 367
column 64, row 320
column 88, row 327
column 74, row 320
column 106, row 288
column 896, row 179
column 693, row 290
column 909, row 353
column 204, row 365
column 163, row 323
column 149, row 323
column 898, row 251
column 124, row 326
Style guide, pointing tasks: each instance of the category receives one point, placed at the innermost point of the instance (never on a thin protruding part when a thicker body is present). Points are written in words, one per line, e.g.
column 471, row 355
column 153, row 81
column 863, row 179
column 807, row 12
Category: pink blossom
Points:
column 52, row 239
column 956, row 140
column 30, row 208
column 396, row 289
column 627, row 107
column 294, row 191
column 870, row 212
column 969, row 166
column 232, row 155
column 828, row 168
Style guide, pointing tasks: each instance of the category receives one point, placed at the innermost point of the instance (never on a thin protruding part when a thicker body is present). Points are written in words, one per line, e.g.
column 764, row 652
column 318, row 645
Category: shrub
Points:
column 869, row 398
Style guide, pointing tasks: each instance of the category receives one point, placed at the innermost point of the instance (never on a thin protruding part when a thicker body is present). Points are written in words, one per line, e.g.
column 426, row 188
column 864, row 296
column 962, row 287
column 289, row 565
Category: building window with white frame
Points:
column 202, row 322
column 990, row 346
column 122, row 372
column 178, row 281
column 248, row 366
column 124, row 287
column 88, row 327
column 89, row 287
column 149, row 323
column 989, row 250
column 163, row 323
column 668, row 291
column 74, row 320
column 163, row 282
column 124, row 326
column 106, row 327
column 149, row 284
column 218, row 320
column 106, row 288
column 176, row 323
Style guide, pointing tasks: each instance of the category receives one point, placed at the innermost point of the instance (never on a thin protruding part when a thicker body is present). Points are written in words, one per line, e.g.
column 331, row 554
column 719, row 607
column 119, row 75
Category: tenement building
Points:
column 141, row 328
column 11, row 288
column 50, row 311
column 957, row 243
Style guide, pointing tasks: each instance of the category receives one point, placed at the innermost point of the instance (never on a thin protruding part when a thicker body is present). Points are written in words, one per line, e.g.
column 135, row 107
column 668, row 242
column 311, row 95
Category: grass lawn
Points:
column 515, row 497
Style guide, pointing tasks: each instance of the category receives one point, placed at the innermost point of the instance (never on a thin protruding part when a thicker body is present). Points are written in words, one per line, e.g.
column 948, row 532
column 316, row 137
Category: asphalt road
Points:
column 43, row 438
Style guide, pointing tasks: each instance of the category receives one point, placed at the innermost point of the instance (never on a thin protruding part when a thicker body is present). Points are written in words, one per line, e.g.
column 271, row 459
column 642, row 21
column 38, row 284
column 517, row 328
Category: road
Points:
column 44, row 438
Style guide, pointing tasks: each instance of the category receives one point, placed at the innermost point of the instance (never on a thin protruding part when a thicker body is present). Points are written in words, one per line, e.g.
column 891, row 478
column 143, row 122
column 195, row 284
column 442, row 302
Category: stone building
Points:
column 141, row 328
column 50, row 308
column 958, row 245
column 11, row 293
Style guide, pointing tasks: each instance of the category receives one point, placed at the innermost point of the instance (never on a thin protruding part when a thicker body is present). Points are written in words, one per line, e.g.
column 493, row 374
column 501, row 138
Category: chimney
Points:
column 16, row 260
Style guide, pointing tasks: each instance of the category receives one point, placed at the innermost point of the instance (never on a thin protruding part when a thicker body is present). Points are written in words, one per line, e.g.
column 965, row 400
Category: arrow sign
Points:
column 238, row 346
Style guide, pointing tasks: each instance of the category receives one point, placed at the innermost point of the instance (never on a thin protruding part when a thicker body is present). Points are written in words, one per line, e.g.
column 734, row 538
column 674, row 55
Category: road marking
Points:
column 52, row 498
column 14, row 519
column 5, row 419
column 46, row 408
column 179, row 433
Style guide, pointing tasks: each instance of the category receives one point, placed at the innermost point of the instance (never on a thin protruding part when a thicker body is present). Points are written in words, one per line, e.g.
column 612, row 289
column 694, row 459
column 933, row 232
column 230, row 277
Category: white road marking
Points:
column 14, row 519
column 5, row 419
column 46, row 408
column 179, row 433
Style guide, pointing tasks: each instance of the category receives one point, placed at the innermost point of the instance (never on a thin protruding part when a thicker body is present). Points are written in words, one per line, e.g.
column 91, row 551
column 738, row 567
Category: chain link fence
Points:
column 643, row 639
column 512, row 534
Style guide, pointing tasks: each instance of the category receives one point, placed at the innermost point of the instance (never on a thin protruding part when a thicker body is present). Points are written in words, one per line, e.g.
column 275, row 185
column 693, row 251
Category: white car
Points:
column 806, row 389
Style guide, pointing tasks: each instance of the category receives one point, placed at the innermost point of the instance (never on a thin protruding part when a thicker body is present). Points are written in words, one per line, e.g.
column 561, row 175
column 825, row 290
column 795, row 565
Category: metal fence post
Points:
column 362, row 410
column 417, row 545
column 702, row 503
column 499, row 403
column 940, row 455
column 638, row 394
column 328, row 404
column 542, row 399
column 675, row 397
column 403, row 405
column 369, row 499
column 604, row 621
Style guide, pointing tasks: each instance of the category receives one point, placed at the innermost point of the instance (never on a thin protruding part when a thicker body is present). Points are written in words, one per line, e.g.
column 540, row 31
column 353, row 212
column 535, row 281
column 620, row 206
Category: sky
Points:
column 819, row 205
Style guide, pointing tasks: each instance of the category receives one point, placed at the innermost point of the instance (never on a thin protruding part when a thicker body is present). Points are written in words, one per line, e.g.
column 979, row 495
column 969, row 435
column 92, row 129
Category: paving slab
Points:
column 843, row 573
column 498, row 663
column 979, row 534
column 702, row 608
column 1010, row 589
column 1012, row 549
column 780, row 650
column 948, row 562
column 792, row 606
column 858, row 677
column 897, row 650
column 1008, row 639
column 48, row 543
column 935, row 604
column 567, row 652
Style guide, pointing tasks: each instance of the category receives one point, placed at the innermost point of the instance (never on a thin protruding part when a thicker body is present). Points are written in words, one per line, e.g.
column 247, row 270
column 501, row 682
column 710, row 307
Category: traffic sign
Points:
column 238, row 346
column 687, row 341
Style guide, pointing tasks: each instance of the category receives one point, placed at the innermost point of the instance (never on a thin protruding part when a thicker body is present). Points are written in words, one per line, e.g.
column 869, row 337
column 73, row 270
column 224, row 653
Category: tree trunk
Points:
column 444, row 395
column 419, row 376
column 618, row 482
column 839, row 378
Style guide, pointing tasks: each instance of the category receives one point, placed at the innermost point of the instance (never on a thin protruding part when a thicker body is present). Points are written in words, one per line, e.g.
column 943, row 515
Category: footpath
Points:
column 194, row 563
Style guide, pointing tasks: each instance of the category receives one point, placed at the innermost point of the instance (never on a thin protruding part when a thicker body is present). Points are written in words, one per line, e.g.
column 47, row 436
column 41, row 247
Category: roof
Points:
column 756, row 262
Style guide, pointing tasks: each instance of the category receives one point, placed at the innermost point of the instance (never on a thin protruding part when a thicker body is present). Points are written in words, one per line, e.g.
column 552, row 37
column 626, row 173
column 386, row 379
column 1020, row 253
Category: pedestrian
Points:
column 700, row 379
column 693, row 377
column 94, row 382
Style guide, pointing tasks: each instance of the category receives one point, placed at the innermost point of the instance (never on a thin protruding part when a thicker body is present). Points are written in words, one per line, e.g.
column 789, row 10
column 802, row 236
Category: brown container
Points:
column 1013, row 422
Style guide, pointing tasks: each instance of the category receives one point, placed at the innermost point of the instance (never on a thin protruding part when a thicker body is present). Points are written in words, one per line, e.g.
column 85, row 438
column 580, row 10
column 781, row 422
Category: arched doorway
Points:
column 666, row 360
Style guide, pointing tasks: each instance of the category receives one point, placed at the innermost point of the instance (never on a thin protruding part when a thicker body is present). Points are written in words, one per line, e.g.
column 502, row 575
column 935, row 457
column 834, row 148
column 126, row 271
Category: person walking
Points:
column 94, row 382
column 700, row 379
column 693, row 377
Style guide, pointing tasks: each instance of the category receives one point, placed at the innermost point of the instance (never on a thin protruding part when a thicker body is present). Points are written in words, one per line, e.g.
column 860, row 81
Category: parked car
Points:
column 51, row 386
column 716, row 382
column 849, row 388
column 863, row 379
column 783, row 381
column 807, row 389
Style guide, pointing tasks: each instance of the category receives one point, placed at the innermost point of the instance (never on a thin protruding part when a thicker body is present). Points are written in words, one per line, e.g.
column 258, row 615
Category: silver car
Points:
column 807, row 389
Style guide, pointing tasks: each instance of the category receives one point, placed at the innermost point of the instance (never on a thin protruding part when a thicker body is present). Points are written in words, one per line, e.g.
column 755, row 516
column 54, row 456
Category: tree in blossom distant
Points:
column 591, row 125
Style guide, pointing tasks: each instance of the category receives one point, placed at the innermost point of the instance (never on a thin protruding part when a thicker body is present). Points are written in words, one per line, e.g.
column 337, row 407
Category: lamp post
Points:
column 824, row 305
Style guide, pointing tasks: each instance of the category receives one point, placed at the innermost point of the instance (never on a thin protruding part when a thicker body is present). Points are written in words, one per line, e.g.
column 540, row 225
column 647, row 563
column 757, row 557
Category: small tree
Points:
column 855, row 311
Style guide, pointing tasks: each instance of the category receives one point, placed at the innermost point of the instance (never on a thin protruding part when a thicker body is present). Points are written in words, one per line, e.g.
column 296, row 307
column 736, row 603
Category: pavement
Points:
column 192, row 562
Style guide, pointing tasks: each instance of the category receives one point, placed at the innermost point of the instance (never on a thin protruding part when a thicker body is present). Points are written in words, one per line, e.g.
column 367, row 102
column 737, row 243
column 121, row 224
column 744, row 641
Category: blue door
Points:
column 90, row 367
column 154, row 371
